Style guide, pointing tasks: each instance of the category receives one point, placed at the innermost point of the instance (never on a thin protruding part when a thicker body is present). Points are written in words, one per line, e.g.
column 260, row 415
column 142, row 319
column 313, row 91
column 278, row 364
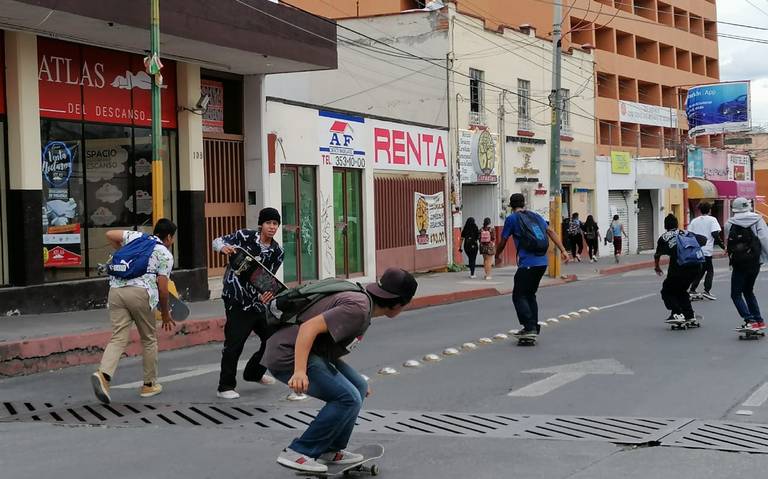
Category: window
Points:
column 476, row 97
column 565, row 115
column 524, row 104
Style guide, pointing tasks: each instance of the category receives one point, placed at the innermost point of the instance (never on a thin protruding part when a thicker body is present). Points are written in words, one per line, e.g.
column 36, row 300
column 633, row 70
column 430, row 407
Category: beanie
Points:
column 269, row 214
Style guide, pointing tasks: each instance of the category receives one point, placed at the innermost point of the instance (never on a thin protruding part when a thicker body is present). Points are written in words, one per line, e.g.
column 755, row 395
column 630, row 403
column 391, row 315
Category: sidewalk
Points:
column 34, row 343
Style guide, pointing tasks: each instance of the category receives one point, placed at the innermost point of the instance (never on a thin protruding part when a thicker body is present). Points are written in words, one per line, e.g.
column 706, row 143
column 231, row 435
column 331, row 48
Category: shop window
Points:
column 299, row 208
column 523, row 105
column 348, row 218
column 476, row 97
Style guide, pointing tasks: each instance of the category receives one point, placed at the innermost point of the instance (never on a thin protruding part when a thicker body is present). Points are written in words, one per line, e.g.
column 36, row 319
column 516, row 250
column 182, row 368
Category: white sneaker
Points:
column 230, row 394
column 340, row 458
column 267, row 380
column 472, row 276
column 300, row 462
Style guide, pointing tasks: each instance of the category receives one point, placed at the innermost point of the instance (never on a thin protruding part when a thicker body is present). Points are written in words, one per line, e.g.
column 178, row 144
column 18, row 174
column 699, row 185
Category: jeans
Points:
column 577, row 245
column 343, row 390
column 593, row 246
column 472, row 256
column 674, row 291
column 709, row 271
column 524, row 296
column 238, row 328
column 743, row 292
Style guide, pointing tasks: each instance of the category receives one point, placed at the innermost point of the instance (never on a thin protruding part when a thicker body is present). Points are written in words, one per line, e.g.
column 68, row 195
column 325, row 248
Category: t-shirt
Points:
column 526, row 259
column 574, row 227
column 705, row 225
column 347, row 316
column 160, row 264
column 616, row 229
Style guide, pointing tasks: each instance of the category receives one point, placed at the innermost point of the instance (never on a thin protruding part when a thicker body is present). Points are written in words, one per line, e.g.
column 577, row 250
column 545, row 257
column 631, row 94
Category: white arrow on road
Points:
column 189, row 372
column 567, row 373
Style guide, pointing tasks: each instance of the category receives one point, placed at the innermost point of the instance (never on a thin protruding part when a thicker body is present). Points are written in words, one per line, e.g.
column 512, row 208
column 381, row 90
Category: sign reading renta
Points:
column 718, row 108
column 397, row 146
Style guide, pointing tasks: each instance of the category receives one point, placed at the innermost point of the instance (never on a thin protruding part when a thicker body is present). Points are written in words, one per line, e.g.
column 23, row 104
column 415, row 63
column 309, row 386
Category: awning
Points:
column 735, row 189
column 659, row 182
column 701, row 189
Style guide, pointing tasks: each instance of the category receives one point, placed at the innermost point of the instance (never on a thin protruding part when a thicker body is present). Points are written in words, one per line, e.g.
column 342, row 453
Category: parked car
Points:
column 736, row 109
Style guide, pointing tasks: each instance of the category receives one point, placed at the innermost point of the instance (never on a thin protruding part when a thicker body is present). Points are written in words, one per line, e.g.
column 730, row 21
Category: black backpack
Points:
column 744, row 246
column 533, row 233
column 289, row 304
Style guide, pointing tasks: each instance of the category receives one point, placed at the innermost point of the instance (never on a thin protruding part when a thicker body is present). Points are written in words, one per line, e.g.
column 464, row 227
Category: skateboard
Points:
column 527, row 341
column 696, row 297
column 746, row 333
column 684, row 324
column 179, row 309
column 370, row 452
column 259, row 275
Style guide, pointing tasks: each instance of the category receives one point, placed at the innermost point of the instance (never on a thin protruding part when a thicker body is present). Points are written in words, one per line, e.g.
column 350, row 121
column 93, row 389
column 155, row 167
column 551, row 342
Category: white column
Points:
column 256, row 164
column 191, row 161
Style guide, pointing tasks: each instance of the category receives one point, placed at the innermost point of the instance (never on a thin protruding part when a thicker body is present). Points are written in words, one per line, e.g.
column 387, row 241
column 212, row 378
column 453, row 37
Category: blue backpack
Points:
column 132, row 260
column 688, row 249
column 533, row 233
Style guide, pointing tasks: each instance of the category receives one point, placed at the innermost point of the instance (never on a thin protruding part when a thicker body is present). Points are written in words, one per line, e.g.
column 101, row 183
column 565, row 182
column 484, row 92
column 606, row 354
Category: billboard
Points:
column 718, row 108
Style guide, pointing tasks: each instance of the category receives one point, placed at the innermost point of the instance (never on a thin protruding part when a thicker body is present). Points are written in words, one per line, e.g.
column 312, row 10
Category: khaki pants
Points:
column 130, row 305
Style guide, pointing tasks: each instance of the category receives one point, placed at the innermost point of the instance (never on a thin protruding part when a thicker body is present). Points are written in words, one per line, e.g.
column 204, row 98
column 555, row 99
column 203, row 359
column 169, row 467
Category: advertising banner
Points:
column 342, row 140
column 621, row 163
column 408, row 148
column 695, row 163
column 478, row 157
column 715, row 164
column 643, row 114
column 718, row 108
column 429, row 220
column 213, row 118
column 739, row 167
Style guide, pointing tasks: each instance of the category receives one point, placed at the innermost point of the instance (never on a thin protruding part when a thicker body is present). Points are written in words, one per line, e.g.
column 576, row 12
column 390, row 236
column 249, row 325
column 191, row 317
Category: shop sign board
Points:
column 718, row 108
column 621, row 163
column 651, row 115
column 429, row 220
column 478, row 157
column 213, row 117
column 715, row 164
column 402, row 147
column 342, row 140
column 739, row 167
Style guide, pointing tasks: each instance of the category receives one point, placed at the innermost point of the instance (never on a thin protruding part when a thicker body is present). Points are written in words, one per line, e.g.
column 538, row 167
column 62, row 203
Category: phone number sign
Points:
column 341, row 140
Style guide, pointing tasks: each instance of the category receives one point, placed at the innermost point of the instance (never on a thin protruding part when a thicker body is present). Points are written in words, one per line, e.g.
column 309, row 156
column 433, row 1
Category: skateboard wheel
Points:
column 374, row 469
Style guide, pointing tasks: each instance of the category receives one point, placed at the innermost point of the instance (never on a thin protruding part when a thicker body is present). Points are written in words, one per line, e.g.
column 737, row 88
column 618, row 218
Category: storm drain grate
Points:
column 623, row 430
column 723, row 436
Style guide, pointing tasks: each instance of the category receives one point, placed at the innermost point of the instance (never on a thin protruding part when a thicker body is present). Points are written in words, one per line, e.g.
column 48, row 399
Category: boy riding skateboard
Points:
column 307, row 357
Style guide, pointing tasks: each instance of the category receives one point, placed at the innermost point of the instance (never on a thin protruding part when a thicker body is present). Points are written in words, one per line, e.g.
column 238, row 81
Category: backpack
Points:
column 574, row 227
column 132, row 259
column 744, row 246
column 533, row 233
column 290, row 303
column 485, row 236
column 688, row 249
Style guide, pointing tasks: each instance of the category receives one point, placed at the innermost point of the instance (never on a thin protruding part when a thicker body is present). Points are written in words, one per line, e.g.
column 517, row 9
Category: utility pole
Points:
column 153, row 65
column 555, row 191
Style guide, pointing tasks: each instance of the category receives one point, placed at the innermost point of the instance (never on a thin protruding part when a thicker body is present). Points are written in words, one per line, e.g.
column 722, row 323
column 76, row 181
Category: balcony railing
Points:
column 477, row 118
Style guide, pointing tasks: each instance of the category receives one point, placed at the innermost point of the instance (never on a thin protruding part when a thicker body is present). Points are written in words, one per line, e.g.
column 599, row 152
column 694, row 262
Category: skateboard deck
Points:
column 527, row 341
column 746, row 333
column 370, row 452
column 261, row 277
column 179, row 309
column 697, row 297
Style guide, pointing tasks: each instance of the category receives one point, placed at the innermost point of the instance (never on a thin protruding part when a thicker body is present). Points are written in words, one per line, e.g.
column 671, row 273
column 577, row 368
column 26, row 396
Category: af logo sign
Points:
column 340, row 140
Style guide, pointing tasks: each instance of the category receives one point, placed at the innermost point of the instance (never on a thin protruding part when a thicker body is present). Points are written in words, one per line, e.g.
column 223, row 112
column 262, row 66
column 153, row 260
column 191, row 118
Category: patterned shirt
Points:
column 160, row 263
column 236, row 290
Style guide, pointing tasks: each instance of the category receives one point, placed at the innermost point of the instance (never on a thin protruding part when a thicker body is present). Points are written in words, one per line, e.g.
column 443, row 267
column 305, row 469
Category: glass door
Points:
column 299, row 213
column 348, row 219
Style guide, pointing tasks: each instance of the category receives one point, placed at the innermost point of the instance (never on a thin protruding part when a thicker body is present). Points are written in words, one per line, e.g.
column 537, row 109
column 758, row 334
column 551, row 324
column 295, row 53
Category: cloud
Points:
column 108, row 193
column 103, row 216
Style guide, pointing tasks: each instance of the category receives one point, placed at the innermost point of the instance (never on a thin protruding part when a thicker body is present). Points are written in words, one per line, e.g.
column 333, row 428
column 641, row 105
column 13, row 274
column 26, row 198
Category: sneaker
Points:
column 300, row 462
column 525, row 333
column 578, row 258
column 228, row 394
column 340, row 458
column 755, row 326
column 267, row 380
column 100, row 387
column 708, row 295
column 472, row 276
column 149, row 391
column 488, row 278
column 676, row 318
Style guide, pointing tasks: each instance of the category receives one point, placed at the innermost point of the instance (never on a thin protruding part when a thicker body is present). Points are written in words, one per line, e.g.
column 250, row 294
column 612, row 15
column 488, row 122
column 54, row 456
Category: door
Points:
column 565, row 209
column 645, row 221
column 348, row 219
column 299, row 200
column 617, row 203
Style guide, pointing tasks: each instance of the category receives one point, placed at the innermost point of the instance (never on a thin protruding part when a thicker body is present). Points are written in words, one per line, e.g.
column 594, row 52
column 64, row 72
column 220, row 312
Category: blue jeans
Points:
column 527, row 281
column 343, row 390
column 743, row 292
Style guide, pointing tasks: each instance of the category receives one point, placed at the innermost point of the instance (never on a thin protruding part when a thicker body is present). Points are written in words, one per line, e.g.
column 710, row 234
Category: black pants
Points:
column 577, row 245
column 674, row 291
column 524, row 296
column 709, row 271
column 593, row 246
column 472, row 256
column 239, row 326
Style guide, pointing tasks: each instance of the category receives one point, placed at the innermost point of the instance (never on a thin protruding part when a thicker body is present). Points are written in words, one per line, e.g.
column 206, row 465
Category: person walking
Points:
column 592, row 238
column 244, row 303
column 307, row 357
column 685, row 263
column 470, row 237
column 575, row 238
column 488, row 246
column 531, row 235
column 133, row 296
column 614, row 234
column 747, row 247
column 708, row 227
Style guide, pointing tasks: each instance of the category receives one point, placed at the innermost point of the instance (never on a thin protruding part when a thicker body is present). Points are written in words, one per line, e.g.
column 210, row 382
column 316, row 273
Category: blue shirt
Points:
column 616, row 227
column 525, row 258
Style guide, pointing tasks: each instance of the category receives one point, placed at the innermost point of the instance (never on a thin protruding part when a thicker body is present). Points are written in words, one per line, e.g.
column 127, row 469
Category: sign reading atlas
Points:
column 340, row 141
column 718, row 108
column 429, row 218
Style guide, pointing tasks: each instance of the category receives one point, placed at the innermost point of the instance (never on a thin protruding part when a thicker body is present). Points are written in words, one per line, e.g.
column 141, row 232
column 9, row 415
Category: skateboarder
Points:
column 307, row 357
column 685, row 263
column 747, row 246
column 244, row 303
column 531, row 235
column 707, row 226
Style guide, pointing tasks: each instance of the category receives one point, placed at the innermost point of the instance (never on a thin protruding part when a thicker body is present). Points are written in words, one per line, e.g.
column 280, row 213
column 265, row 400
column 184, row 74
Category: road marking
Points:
column 189, row 372
column 758, row 397
column 567, row 373
column 633, row 300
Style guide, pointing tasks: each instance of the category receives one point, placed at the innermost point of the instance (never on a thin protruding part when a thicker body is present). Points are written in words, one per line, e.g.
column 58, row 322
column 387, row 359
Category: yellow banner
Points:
column 621, row 162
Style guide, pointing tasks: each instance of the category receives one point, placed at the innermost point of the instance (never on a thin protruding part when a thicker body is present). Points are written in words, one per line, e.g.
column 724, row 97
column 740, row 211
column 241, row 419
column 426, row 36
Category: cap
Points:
column 394, row 283
column 269, row 214
column 741, row 205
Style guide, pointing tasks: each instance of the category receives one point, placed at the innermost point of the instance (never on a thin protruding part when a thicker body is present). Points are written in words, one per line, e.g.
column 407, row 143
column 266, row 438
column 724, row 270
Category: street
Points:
column 610, row 393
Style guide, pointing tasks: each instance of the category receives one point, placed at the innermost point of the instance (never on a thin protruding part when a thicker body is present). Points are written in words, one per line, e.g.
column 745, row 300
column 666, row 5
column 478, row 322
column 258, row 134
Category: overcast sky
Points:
column 740, row 60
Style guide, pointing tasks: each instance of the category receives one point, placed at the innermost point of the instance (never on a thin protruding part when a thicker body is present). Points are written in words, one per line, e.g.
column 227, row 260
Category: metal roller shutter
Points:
column 645, row 221
column 618, row 205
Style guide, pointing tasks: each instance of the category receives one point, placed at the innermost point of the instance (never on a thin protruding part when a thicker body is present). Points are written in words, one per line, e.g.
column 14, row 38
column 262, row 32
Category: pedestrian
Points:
column 747, row 246
column 531, row 235
column 592, row 238
column 307, row 357
column 685, row 263
column 707, row 226
column 614, row 234
column 244, row 302
column 470, row 237
column 575, row 239
column 488, row 246
column 564, row 228
column 133, row 296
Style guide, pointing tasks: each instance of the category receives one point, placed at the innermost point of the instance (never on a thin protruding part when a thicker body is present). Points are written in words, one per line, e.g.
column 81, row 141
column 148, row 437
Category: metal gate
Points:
column 617, row 203
column 224, row 192
column 645, row 221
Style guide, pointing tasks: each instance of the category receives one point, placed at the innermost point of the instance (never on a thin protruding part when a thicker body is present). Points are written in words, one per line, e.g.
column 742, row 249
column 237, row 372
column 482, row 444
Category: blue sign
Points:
column 57, row 164
column 718, row 108
column 695, row 163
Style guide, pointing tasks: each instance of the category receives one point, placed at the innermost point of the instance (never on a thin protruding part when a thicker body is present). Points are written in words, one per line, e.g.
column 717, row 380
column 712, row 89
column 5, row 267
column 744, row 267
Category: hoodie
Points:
column 756, row 222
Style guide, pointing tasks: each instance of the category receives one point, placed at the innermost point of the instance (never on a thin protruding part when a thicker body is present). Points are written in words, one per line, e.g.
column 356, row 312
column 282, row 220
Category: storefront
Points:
column 479, row 157
column 718, row 176
column 577, row 177
column 615, row 179
column 528, row 172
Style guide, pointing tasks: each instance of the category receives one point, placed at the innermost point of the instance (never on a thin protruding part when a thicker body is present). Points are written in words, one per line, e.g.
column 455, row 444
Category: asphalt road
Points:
column 620, row 361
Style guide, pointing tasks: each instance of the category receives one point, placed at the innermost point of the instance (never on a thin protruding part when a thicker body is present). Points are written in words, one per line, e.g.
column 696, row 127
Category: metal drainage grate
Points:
column 438, row 423
column 16, row 409
column 723, row 436
column 624, row 430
